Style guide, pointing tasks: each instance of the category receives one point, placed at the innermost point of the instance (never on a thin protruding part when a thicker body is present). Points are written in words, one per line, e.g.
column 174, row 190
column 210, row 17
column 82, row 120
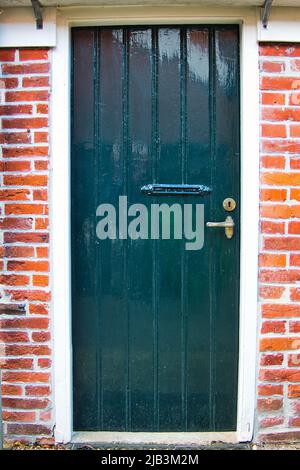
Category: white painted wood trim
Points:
column 283, row 26
column 60, row 212
column 60, row 194
column 18, row 28
column 248, row 350
column 121, row 439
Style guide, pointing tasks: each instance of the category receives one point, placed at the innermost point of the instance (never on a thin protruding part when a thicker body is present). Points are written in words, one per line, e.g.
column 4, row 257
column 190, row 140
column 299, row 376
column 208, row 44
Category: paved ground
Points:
column 215, row 446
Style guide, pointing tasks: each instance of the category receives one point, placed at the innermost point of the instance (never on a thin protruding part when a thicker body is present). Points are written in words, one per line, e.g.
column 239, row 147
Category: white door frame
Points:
column 60, row 193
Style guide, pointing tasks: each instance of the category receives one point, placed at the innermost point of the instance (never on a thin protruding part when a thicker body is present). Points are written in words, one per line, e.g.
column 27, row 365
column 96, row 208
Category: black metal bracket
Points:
column 37, row 10
column 265, row 12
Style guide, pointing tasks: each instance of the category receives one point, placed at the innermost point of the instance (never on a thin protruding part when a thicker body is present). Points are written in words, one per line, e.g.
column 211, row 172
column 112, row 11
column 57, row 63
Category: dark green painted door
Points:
column 155, row 326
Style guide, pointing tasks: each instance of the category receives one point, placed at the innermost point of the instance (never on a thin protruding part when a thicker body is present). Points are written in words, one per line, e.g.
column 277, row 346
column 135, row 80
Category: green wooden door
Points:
column 155, row 326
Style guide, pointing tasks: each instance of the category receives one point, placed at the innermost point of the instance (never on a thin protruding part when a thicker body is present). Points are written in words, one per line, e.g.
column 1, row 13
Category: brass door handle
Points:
column 228, row 224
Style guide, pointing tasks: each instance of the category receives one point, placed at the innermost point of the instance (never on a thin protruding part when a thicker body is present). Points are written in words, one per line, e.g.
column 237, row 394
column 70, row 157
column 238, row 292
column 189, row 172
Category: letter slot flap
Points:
column 175, row 190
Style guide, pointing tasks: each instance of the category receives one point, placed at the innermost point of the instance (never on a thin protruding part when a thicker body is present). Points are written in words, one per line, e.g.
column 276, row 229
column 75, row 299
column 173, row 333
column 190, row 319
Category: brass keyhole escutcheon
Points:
column 229, row 204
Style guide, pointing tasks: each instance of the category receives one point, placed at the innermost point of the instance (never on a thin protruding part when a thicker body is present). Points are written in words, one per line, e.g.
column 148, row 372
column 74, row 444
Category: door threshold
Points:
column 166, row 439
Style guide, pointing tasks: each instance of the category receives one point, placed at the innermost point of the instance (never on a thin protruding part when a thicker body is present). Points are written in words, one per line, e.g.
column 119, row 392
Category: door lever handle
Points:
column 228, row 224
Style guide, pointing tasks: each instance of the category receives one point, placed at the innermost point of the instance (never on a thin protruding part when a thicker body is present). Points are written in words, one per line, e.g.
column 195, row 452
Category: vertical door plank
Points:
column 112, row 182
column 140, row 289
column 198, row 171
column 85, row 294
column 168, row 253
column 227, row 180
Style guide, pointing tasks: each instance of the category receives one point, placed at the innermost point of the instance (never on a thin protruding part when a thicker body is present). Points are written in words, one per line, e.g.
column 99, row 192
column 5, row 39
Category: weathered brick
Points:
column 41, row 165
column 11, row 390
column 38, row 309
column 25, row 180
column 30, row 82
column 33, row 54
column 26, row 377
column 280, row 437
column 24, row 323
column 14, row 152
column 42, row 108
column 41, row 336
column 295, row 194
column 273, row 130
column 40, row 137
column 14, row 280
column 294, row 391
column 7, row 55
column 280, row 310
column 38, row 280
column 271, row 422
column 16, row 364
column 282, row 275
column 281, row 178
column 270, row 113
column 269, row 390
column 40, row 195
column 15, row 166
column 14, row 194
column 42, row 252
column 19, row 96
column 294, row 359
column 25, row 404
column 294, row 326
column 19, row 416
column 270, row 404
column 41, row 223
column 272, row 259
column 44, row 363
column 15, row 69
column 273, row 161
column 279, row 82
column 273, row 194
column 271, row 292
column 294, row 228
column 9, row 223
column 280, row 375
column 282, row 243
column 279, row 344
column 273, row 327
column 25, row 123
column 271, row 359
column 33, row 295
column 8, row 83
column 28, row 266
column 270, row 66
column 294, row 422
column 29, row 237
column 37, row 390
column 15, row 138
column 275, row 99
column 267, row 226
column 19, row 251
column 281, row 145
column 280, row 211
column 279, row 50
column 12, row 309
column 10, row 110
column 29, row 429
column 27, row 350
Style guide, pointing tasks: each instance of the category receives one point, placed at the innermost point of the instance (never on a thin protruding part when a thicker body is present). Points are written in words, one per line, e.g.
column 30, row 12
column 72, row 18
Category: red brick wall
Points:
column 25, row 348
column 279, row 370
